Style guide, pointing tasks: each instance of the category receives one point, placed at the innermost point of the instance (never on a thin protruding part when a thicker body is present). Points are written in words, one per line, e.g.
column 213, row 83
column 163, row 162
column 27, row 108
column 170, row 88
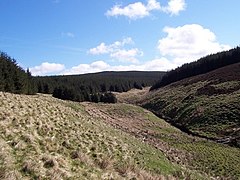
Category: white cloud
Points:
column 96, row 66
column 139, row 10
column 174, row 7
column 101, row 49
column 99, row 65
column 153, row 5
column 161, row 64
column 135, row 10
column 105, row 49
column 127, row 55
column 117, row 51
column 132, row 11
column 180, row 45
column 124, row 42
column 189, row 42
column 47, row 68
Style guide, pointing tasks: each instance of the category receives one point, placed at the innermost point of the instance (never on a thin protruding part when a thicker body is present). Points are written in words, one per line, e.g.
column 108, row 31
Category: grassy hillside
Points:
column 192, row 153
column 206, row 105
column 46, row 138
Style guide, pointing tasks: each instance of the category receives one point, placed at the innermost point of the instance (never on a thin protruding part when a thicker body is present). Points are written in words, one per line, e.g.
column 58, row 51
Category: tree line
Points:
column 95, row 87
column 65, row 93
column 13, row 78
column 201, row 66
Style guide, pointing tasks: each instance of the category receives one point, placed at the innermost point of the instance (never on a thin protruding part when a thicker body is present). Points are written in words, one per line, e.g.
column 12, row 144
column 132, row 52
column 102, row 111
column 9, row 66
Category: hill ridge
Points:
column 201, row 66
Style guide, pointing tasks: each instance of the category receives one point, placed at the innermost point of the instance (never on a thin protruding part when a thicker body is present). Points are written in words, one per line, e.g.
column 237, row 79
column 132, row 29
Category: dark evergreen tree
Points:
column 46, row 89
column 137, row 86
column 203, row 65
column 13, row 78
column 64, row 93
column 111, row 89
column 108, row 98
column 57, row 93
column 98, row 82
column 103, row 87
column 95, row 98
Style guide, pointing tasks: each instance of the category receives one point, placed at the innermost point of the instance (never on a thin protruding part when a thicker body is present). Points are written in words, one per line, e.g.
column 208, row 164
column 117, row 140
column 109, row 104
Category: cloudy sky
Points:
column 74, row 36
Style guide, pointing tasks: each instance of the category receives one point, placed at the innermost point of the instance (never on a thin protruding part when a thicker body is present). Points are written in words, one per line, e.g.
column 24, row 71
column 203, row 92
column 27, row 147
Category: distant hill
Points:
column 87, row 87
column 206, row 105
column 93, row 87
column 46, row 138
column 201, row 66
column 13, row 78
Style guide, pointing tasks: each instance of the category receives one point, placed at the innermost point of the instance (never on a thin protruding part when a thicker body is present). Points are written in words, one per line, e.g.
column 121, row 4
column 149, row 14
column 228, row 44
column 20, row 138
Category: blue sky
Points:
column 75, row 37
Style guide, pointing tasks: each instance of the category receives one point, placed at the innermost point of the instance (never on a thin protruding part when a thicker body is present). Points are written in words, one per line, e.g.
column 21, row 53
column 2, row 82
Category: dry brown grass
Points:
column 46, row 138
column 132, row 96
column 7, row 171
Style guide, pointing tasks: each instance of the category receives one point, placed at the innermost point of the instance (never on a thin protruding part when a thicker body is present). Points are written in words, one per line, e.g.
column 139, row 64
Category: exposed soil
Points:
column 141, row 127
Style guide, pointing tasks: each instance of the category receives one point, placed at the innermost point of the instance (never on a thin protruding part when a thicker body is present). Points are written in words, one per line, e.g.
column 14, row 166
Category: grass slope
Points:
column 46, row 138
column 207, row 105
column 192, row 153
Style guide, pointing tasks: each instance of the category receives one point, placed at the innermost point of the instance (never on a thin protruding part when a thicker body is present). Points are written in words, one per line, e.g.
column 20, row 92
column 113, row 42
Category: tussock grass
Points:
column 7, row 170
column 196, row 154
column 46, row 138
column 206, row 108
column 208, row 156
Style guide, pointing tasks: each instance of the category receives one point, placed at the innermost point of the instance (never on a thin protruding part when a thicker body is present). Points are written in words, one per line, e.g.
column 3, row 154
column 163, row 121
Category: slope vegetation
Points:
column 189, row 152
column 206, row 105
column 46, row 138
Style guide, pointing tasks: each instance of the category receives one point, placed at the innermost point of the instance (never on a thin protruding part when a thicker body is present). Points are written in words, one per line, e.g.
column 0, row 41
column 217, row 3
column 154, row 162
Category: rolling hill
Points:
column 99, row 82
column 206, row 105
column 200, row 66
column 47, row 138
column 201, row 98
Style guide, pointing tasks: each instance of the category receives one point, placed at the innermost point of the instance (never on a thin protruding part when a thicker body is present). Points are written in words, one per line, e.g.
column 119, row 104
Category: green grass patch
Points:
column 213, row 158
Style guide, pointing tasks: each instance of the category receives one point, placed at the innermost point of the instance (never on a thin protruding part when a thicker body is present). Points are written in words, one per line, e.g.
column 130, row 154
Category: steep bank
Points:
column 206, row 105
